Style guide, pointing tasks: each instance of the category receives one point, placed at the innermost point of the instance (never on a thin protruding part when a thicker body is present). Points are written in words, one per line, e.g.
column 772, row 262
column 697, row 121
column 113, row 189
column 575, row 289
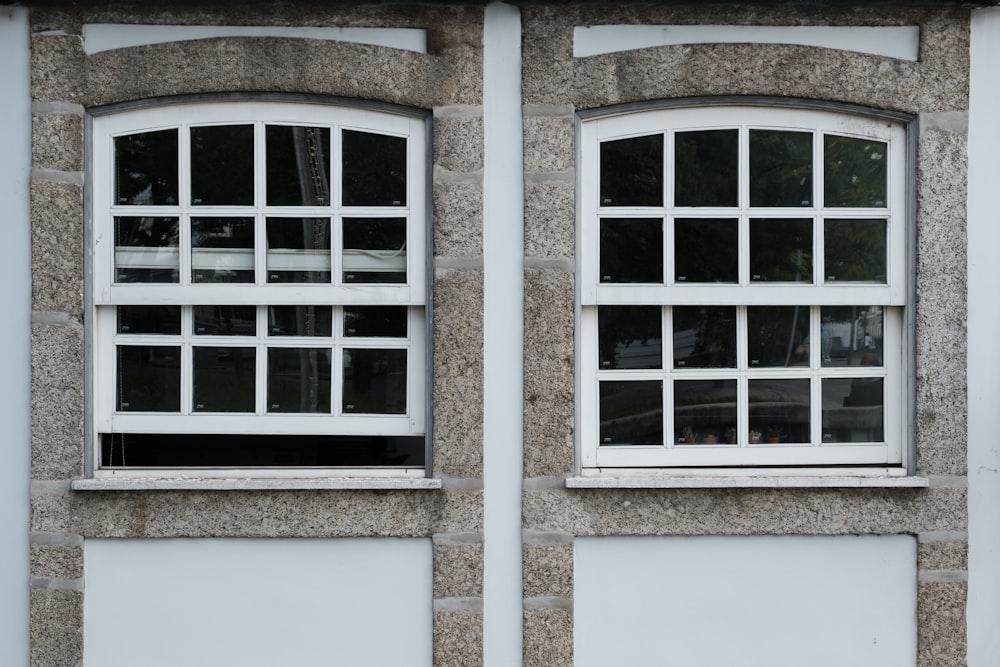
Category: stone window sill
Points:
column 252, row 483
column 740, row 479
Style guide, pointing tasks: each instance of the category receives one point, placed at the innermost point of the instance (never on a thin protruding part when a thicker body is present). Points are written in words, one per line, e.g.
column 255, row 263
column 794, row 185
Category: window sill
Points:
column 252, row 483
column 729, row 479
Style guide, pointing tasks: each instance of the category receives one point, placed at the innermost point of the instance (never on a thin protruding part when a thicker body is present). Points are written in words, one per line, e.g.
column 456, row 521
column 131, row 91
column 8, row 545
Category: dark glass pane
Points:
column 706, row 168
column 225, row 320
column 375, row 250
column 224, row 379
column 855, row 250
column 375, row 321
column 250, row 450
column 298, row 379
column 149, row 378
column 630, row 336
column 149, row 320
column 779, row 410
column 781, row 250
column 298, row 250
column 854, row 172
column 704, row 411
column 146, row 169
column 298, row 165
column 706, row 250
column 631, row 250
column 780, row 168
column 375, row 381
column 631, row 412
column 374, row 169
column 778, row 335
column 853, row 409
column 222, row 165
column 851, row 335
column 146, row 250
column 632, row 171
column 704, row 336
column 300, row 320
column 222, row 250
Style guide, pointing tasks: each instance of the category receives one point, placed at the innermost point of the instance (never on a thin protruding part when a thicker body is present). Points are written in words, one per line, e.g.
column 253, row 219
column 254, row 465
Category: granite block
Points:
column 458, row 639
column 941, row 639
column 57, row 562
column 57, row 247
column 458, row 570
column 549, row 143
column 548, row 570
column 57, row 405
column 458, row 140
column 458, row 214
column 56, row 628
column 548, row 638
column 57, row 141
column 943, row 555
column 550, row 217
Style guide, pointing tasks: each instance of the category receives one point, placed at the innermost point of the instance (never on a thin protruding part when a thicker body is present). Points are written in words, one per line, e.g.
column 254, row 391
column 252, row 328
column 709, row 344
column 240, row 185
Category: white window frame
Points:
column 103, row 294
column 894, row 455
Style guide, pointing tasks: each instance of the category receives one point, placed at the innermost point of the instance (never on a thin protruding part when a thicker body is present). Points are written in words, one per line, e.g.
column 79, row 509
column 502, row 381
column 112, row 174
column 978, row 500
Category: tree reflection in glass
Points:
column 706, row 250
column 779, row 409
column 781, row 250
column 146, row 171
column 147, row 250
column 300, row 320
column 630, row 336
column 855, row 250
column 632, row 171
column 298, row 250
column 222, row 165
column 706, row 168
column 222, row 250
column 777, row 336
column 298, row 379
column 855, row 172
column 631, row 412
column 631, row 250
column 224, row 320
column 298, row 165
column 374, row 169
column 704, row 410
column 704, row 336
column 781, row 168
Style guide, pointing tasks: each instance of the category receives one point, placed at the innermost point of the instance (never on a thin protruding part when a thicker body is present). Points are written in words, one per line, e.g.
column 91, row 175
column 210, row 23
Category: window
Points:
column 743, row 285
column 258, row 287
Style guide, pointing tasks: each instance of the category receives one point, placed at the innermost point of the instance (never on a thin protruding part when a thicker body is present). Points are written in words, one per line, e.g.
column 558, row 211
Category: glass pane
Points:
column 630, row 336
column 224, row 379
column 149, row 378
column 854, row 172
column 298, row 379
column 855, row 250
column 851, row 335
column 146, row 250
column 225, row 320
column 300, row 320
column 780, row 168
column 374, row 169
column 704, row 336
column 298, row 165
column 375, row 321
column 853, row 410
column 778, row 336
column 631, row 250
column 781, row 250
column 149, row 320
column 146, row 169
column 706, row 251
column 706, row 168
column 779, row 411
column 704, row 411
column 375, row 250
column 631, row 412
column 632, row 171
column 375, row 381
column 298, row 250
column 222, row 250
column 222, row 165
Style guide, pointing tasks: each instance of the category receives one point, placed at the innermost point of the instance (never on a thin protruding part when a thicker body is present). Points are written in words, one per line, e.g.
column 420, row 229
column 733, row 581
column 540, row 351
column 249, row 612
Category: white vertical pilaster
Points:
column 983, row 615
column 503, row 335
column 15, row 335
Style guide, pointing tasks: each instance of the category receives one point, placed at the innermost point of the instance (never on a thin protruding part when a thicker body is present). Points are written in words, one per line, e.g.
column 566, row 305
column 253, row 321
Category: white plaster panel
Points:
column 762, row 601
column 257, row 602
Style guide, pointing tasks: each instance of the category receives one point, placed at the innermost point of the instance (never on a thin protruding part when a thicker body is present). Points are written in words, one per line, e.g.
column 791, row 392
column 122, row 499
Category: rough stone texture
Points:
column 938, row 82
column 57, row 247
column 458, row 570
column 943, row 555
column 458, row 639
column 745, row 511
column 941, row 304
column 548, row 638
column 458, row 373
column 451, row 73
column 549, row 217
column 57, row 400
column 548, row 373
column 56, row 628
column 57, row 141
column 548, row 570
column 458, row 141
column 57, row 562
column 549, row 143
column 458, row 215
column 941, row 622
column 51, row 514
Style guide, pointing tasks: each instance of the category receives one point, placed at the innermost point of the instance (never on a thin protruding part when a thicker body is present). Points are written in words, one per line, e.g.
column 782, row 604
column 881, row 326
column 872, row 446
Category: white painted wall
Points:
column 984, row 349
column 15, row 335
column 364, row 602
column 783, row 601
